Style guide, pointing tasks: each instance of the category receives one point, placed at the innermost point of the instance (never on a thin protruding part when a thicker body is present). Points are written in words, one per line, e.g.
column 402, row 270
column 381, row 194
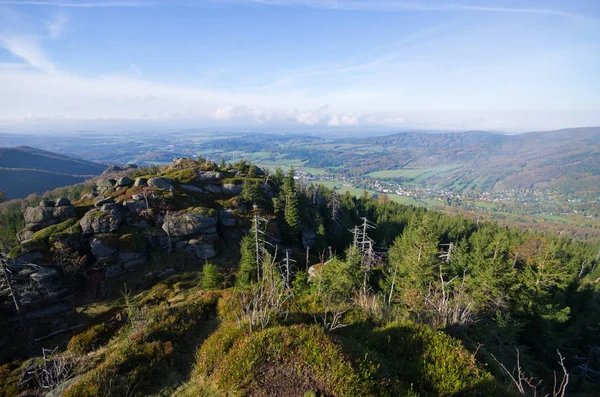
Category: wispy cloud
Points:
column 22, row 35
column 28, row 49
column 354, row 5
column 392, row 5
column 57, row 25
column 66, row 3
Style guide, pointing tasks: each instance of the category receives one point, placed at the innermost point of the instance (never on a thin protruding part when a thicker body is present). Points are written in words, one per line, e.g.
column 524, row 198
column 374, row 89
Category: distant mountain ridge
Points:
column 25, row 170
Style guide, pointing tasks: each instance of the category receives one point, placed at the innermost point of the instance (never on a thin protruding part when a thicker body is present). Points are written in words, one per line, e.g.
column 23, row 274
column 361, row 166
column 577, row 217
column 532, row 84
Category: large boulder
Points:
column 104, row 220
column 187, row 223
column 125, row 182
column 213, row 188
column 105, row 183
column 226, row 218
column 101, row 200
column 47, row 203
column 160, row 183
column 41, row 288
column 210, row 176
column 231, row 189
column 140, row 182
column 63, row 202
column 99, row 248
column 37, row 218
column 201, row 249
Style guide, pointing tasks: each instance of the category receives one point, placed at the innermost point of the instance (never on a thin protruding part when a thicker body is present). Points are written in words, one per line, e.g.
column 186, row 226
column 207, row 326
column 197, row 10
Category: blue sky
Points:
column 444, row 65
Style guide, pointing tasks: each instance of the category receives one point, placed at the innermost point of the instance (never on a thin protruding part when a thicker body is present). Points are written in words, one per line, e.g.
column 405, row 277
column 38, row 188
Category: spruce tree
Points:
column 246, row 274
column 211, row 278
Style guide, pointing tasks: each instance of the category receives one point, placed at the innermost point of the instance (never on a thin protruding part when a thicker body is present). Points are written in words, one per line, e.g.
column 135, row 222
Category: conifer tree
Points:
column 211, row 278
column 246, row 274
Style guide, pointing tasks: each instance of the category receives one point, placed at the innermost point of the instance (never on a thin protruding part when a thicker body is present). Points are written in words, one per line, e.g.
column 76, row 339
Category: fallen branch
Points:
column 62, row 331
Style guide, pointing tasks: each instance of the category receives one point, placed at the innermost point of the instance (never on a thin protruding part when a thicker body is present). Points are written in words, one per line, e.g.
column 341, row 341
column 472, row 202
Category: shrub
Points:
column 91, row 338
column 291, row 360
column 436, row 363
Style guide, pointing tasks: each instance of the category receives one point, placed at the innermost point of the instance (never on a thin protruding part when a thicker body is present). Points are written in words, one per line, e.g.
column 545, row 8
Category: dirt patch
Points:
column 285, row 379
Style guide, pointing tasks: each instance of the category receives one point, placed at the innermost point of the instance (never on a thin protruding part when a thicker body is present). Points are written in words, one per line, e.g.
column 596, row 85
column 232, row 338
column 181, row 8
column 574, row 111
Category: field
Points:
column 414, row 173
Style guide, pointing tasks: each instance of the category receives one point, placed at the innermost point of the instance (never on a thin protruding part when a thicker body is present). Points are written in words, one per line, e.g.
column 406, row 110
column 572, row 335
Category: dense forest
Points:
column 333, row 295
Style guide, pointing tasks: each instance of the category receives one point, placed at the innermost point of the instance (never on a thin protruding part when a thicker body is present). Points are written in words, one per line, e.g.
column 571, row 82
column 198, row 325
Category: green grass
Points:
column 403, row 199
column 314, row 171
column 417, row 174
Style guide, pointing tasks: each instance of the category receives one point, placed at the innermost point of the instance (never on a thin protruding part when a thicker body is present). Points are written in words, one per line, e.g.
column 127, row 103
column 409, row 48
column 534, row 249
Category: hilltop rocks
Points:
column 41, row 217
column 226, row 218
column 46, row 203
column 140, row 182
column 101, row 200
column 213, row 188
column 100, row 250
column 42, row 290
column 105, row 185
column 63, row 202
column 104, row 220
column 231, row 189
column 116, row 168
column 202, row 249
column 124, row 182
column 185, row 224
column 160, row 183
column 210, row 176
column 47, row 214
column 118, row 253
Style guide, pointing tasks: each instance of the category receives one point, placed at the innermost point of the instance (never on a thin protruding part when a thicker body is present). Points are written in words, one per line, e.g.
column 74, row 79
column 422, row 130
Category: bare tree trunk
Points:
column 14, row 294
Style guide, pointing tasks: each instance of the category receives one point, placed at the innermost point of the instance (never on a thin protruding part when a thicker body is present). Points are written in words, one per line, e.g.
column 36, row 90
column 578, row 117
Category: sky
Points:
column 495, row 65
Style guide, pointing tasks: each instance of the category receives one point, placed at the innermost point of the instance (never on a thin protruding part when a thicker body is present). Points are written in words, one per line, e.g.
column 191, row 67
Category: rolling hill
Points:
column 25, row 170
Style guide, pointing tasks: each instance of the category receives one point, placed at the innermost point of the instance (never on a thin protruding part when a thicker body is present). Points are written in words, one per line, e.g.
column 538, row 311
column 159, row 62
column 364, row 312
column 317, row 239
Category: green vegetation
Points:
column 401, row 301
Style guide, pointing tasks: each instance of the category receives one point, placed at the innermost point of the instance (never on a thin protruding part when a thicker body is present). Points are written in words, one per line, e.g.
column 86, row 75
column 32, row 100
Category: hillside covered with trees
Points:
column 206, row 279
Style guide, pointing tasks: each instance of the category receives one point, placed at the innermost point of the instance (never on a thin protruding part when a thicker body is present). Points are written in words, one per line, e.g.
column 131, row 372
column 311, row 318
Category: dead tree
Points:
column 46, row 375
column 260, row 242
column 528, row 385
column 335, row 204
column 364, row 244
column 6, row 282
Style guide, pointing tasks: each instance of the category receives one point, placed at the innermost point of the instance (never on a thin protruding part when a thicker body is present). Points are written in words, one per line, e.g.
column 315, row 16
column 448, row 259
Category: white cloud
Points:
column 28, row 49
column 57, row 25
column 72, row 3
column 395, row 6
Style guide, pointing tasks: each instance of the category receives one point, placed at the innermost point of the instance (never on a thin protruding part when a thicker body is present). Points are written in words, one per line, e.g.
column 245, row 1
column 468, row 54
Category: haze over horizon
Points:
column 508, row 66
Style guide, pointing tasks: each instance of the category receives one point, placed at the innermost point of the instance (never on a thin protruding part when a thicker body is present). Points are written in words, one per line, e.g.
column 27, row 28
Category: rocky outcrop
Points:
column 47, row 214
column 188, row 223
column 231, row 189
column 42, row 290
column 107, row 219
column 201, row 249
column 226, row 218
column 101, row 200
column 118, row 254
column 210, row 176
column 160, row 183
column 211, row 188
column 116, row 168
